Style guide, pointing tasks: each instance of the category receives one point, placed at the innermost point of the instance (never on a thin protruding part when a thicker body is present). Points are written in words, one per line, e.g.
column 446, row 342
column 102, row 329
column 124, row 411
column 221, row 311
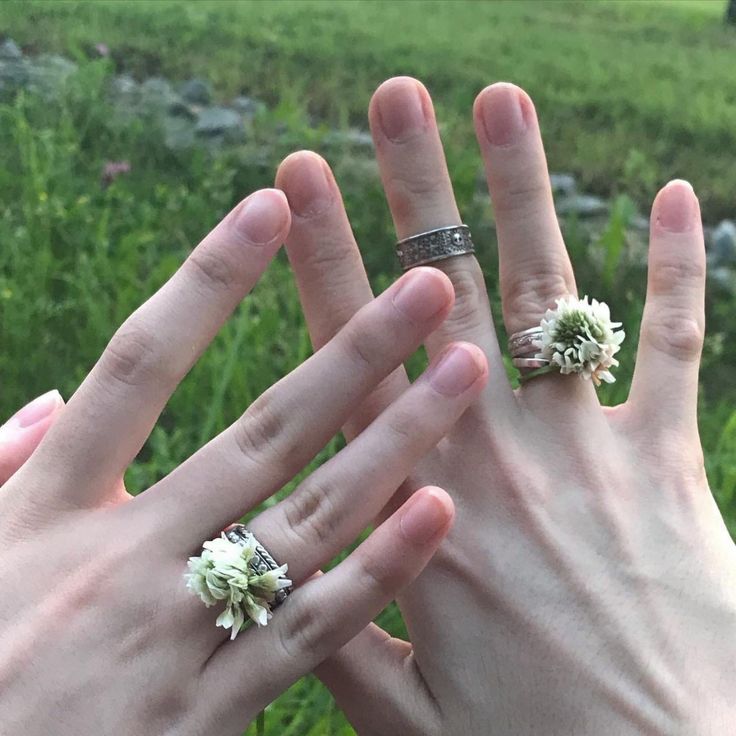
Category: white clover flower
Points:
column 579, row 337
column 223, row 573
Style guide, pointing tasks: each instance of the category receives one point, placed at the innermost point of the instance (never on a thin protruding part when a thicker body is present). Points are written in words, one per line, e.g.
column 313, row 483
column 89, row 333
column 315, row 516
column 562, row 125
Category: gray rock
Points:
column 180, row 108
column 640, row 223
column 582, row 205
column 13, row 76
column 157, row 96
column 353, row 137
column 48, row 73
column 723, row 244
column 196, row 92
column 563, row 184
column 9, row 50
column 124, row 86
column 220, row 122
column 248, row 107
column 723, row 278
column 178, row 132
column 125, row 95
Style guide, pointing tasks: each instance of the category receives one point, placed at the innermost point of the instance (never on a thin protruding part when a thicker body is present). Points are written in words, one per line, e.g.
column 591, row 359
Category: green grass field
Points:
column 630, row 95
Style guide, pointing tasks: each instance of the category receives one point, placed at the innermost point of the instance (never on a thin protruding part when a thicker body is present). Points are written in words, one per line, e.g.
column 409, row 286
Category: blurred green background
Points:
column 630, row 94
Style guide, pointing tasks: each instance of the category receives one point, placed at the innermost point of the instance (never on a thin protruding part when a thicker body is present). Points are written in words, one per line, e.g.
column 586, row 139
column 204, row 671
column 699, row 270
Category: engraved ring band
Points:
column 434, row 245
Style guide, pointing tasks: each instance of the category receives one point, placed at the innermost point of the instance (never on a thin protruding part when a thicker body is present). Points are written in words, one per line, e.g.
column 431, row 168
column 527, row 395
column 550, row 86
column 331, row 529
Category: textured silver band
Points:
column 262, row 560
column 434, row 245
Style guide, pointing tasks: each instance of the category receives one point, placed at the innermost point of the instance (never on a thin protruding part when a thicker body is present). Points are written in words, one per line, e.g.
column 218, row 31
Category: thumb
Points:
column 23, row 432
column 375, row 680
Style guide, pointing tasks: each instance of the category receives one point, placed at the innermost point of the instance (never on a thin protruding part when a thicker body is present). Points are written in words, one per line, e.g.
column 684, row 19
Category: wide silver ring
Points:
column 434, row 245
column 262, row 560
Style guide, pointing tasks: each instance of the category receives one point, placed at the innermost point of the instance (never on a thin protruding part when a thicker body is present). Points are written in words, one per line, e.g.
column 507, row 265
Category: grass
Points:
column 630, row 94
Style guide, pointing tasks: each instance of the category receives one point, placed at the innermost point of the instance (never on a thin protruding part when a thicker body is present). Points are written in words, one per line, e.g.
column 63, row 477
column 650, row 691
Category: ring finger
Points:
column 533, row 262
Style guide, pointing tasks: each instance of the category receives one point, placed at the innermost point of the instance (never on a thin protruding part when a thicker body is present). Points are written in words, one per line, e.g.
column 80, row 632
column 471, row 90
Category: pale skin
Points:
column 98, row 633
column 589, row 583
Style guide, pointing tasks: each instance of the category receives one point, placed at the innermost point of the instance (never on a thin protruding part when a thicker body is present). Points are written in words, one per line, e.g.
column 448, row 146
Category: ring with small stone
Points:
column 434, row 245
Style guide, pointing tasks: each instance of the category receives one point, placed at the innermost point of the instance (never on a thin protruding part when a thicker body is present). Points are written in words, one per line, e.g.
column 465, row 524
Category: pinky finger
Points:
column 325, row 613
column 23, row 432
column 664, row 390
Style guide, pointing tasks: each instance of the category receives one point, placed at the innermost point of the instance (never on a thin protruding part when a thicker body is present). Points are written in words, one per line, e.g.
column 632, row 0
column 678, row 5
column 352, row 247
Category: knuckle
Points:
column 470, row 298
column 514, row 195
column 262, row 429
column 211, row 269
column 401, row 426
column 415, row 194
column 133, row 356
column 676, row 333
column 417, row 185
column 303, row 633
column 527, row 292
column 676, row 276
column 310, row 514
column 364, row 347
column 377, row 575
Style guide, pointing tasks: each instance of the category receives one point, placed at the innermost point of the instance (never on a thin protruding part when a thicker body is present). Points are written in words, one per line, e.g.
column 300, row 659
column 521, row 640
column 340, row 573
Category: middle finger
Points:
column 420, row 196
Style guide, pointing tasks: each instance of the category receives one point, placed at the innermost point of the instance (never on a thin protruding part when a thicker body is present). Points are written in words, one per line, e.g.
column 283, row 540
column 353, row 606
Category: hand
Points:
column 589, row 583
column 98, row 633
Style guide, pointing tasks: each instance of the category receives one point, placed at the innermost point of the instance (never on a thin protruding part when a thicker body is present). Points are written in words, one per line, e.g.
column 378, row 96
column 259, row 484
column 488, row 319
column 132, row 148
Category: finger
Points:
column 533, row 262
column 110, row 416
column 375, row 674
column 664, row 390
column 285, row 428
column 420, row 196
column 333, row 505
column 23, row 432
column 328, row 267
column 329, row 610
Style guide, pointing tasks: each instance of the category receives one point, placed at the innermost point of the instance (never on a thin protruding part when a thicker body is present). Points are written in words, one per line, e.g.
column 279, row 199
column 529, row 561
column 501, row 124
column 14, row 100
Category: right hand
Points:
column 98, row 633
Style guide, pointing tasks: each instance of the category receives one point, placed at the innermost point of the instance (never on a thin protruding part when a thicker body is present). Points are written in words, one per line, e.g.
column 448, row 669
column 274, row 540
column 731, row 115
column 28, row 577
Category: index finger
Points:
column 110, row 416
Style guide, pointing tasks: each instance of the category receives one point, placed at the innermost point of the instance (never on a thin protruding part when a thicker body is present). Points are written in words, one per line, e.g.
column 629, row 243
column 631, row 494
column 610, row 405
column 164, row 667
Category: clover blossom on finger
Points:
column 578, row 336
column 224, row 572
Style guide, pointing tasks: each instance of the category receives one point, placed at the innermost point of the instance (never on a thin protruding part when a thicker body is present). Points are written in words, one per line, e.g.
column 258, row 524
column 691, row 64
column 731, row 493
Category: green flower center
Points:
column 573, row 326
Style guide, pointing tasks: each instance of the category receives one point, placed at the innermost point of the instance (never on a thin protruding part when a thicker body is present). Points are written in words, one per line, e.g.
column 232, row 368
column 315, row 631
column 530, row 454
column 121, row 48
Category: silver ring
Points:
column 522, row 344
column 529, row 363
column 262, row 560
column 434, row 245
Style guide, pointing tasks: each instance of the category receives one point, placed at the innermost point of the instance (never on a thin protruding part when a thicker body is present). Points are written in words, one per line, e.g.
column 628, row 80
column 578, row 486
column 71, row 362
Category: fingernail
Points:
column 502, row 112
column 308, row 186
column 676, row 206
column 421, row 294
column 263, row 216
column 400, row 109
column 33, row 412
column 458, row 368
column 426, row 515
